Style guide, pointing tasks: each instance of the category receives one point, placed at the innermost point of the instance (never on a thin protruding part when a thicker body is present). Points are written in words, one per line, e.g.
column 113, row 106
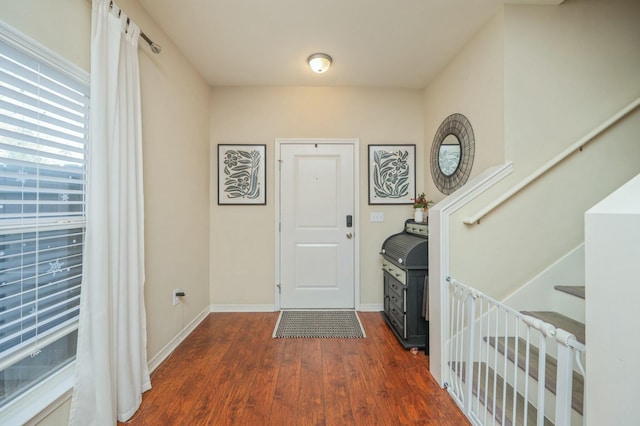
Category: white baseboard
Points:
column 67, row 383
column 539, row 293
column 242, row 308
column 371, row 307
column 173, row 343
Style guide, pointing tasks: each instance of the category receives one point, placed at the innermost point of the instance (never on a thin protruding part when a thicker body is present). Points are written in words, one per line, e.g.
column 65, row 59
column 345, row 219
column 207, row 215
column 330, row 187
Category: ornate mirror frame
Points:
column 457, row 125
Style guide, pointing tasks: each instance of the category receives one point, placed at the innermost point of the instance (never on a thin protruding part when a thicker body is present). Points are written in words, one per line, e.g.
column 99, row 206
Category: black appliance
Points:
column 405, row 265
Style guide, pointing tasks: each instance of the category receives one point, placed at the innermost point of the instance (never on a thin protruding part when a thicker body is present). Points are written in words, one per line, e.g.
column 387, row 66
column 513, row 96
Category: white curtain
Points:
column 111, row 363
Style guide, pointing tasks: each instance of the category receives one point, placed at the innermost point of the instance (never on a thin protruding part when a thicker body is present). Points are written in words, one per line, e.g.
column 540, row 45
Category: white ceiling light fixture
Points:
column 319, row 62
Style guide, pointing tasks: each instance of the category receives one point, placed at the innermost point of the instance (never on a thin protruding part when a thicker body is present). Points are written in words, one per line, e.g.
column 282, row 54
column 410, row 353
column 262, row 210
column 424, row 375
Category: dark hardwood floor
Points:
column 230, row 371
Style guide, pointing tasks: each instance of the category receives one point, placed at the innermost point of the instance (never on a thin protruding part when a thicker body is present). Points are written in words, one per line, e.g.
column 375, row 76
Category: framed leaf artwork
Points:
column 242, row 174
column 392, row 174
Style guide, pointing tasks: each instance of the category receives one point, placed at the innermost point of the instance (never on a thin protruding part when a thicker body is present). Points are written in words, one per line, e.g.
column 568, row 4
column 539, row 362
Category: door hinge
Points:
column 279, row 288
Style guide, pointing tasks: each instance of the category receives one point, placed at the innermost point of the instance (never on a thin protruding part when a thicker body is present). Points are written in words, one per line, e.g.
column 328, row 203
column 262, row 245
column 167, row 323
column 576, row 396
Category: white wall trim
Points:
column 242, row 308
column 612, row 268
column 164, row 353
column 57, row 403
column 356, row 208
column 34, row 404
column 38, row 402
column 567, row 270
column 371, row 307
column 42, row 53
column 61, row 383
column 536, row 2
column 476, row 186
column 439, row 216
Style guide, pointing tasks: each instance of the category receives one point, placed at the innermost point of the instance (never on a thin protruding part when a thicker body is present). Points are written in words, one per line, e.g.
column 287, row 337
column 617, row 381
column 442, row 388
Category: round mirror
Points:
column 452, row 153
column 449, row 155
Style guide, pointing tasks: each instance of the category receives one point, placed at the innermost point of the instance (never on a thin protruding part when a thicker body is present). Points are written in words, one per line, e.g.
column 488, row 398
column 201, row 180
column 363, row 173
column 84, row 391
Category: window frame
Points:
column 42, row 399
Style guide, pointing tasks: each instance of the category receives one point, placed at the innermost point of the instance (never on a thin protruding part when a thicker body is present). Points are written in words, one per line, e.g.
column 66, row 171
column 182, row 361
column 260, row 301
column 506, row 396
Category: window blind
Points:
column 44, row 116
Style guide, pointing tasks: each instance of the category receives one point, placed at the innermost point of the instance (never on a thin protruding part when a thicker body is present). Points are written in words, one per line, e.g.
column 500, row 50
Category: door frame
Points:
column 356, row 208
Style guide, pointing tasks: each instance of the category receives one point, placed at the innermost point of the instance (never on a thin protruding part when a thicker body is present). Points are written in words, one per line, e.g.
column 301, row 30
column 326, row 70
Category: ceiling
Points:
column 374, row 43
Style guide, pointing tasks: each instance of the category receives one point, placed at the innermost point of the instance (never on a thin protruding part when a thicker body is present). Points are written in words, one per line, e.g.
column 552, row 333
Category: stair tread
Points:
column 560, row 321
column 574, row 290
column 550, row 370
column 485, row 395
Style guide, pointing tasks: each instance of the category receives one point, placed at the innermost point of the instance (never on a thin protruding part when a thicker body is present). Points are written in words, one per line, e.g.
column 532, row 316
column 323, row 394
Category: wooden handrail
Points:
column 578, row 145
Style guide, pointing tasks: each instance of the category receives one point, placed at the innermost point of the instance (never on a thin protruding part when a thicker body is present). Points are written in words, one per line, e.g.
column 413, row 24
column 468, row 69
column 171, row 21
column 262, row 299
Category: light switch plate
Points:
column 377, row 217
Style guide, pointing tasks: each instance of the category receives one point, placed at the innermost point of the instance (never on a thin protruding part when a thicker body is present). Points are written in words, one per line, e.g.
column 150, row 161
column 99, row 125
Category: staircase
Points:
column 506, row 364
column 495, row 406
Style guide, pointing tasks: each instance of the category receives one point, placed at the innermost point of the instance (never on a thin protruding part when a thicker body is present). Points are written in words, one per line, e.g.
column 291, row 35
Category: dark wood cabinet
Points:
column 403, row 307
column 405, row 271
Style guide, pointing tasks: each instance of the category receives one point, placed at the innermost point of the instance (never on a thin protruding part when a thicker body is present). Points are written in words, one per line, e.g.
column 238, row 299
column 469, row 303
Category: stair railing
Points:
column 490, row 351
column 568, row 349
column 576, row 146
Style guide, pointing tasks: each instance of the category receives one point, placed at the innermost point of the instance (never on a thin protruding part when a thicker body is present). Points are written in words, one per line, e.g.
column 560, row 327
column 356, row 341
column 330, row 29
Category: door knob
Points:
column 349, row 235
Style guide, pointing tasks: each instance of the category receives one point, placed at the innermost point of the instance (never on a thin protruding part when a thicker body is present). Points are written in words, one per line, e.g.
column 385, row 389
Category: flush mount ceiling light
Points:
column 319, row 62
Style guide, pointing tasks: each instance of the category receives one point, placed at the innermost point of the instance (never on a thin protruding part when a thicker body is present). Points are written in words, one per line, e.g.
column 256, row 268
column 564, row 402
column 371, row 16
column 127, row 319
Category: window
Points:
column 44, row 114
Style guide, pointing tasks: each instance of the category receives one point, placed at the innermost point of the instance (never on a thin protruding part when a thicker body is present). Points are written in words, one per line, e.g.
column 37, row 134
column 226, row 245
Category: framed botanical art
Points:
column 392, row 174
column 242, row 174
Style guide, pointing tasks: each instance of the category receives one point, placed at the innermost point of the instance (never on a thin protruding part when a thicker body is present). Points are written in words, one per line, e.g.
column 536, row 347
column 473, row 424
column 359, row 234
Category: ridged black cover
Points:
column 413, row 250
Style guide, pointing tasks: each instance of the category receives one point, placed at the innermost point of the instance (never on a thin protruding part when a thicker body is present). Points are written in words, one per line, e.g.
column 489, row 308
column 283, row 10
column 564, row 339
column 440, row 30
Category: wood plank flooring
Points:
column 230, row 371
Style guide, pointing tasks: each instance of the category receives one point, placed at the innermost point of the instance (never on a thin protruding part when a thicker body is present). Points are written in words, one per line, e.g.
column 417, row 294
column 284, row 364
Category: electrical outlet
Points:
column 376, row 216
column 175, row 298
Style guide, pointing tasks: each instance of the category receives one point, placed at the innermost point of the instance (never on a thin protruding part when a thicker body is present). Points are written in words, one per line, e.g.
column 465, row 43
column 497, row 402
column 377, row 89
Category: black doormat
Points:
column 319, row 324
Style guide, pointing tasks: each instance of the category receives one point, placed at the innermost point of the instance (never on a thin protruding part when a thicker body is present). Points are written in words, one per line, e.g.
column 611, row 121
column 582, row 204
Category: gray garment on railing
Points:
column 425, row 298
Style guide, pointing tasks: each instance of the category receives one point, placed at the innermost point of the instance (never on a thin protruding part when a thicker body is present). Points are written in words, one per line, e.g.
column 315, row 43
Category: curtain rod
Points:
column 155, row 47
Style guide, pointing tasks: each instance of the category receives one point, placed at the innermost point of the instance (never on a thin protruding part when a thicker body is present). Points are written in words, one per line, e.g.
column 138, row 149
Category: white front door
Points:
column 316, row 242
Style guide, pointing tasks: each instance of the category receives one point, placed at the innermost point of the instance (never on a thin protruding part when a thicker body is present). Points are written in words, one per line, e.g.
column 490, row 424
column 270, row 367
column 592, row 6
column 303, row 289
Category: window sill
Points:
column 34, row 405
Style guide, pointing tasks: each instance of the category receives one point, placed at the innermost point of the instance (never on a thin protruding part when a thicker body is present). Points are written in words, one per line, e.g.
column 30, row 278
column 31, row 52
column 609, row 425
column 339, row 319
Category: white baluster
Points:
column 564, row 379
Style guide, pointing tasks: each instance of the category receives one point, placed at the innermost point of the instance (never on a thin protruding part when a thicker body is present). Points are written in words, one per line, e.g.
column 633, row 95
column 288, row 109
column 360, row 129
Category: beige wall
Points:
column 567, row 69
column 564, row 70
column 532, row 81
column 175, row 103
column 471, row 84
column 175, row 116
column 243, row 237
column 63, row 26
